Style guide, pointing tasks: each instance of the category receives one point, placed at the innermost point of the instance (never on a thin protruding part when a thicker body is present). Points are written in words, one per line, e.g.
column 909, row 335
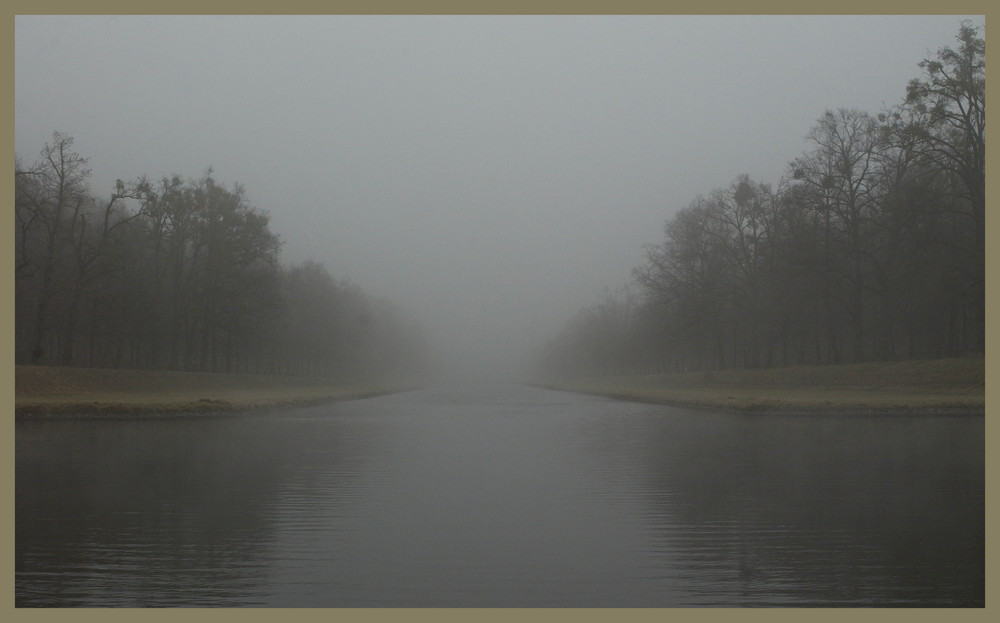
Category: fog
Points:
column 488, row 175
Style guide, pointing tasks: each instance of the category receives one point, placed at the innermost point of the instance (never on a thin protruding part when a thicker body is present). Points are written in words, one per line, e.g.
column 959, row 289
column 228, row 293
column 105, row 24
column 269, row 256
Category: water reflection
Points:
column 149, row 512
column 822, row 510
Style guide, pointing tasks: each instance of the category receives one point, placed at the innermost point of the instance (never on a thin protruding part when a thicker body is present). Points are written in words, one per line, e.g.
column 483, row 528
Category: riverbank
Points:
column 41, row 391
column 933, row 386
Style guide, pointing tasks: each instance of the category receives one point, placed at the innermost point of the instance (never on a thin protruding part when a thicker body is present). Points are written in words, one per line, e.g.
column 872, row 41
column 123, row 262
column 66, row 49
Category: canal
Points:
column 501, row 496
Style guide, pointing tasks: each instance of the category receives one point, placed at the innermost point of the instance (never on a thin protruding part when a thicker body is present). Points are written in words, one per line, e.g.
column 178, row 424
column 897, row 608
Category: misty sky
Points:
column 489, row 175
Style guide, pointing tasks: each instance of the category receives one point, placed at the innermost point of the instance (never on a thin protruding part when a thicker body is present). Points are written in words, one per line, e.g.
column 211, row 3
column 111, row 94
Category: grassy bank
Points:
column 51, row 391
column 895, row 387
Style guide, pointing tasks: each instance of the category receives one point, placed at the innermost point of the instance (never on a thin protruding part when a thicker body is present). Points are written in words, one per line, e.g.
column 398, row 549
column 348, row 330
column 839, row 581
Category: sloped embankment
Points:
column 946, row 385
column 55, row 391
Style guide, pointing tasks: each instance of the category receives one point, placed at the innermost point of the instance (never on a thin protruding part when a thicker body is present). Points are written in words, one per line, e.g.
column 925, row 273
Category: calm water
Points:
column 501, row 496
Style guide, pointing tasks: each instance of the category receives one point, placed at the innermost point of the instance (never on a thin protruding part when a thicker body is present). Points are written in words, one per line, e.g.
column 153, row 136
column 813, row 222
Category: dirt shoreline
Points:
column 947, row 386
column 781, row 407
column 153, row 409
column 50, row 392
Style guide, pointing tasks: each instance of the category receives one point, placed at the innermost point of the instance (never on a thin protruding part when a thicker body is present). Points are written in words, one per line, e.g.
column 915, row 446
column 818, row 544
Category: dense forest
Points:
column 870, row 247
column 182, row 275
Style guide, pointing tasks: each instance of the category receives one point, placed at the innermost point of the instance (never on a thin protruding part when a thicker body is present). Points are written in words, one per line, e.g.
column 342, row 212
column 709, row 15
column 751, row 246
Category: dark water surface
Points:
column 501, row 496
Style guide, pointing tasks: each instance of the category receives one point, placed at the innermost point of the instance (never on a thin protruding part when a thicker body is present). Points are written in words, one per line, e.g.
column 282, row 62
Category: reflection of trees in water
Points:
column 828, row 509
column 144, row 509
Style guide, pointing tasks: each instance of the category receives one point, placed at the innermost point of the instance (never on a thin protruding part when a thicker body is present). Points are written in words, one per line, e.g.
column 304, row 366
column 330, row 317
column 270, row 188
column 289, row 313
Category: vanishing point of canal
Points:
column 497, row 496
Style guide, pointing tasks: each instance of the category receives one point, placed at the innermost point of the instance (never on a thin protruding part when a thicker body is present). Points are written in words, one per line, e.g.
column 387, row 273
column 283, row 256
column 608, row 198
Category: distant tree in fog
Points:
column 48, row 197
column 94, row 231
column 236, row 290
column 309, row 335
column 689, row 278
column 63, row 244
column 951, row 97
column 333, row 328
column 842, row 193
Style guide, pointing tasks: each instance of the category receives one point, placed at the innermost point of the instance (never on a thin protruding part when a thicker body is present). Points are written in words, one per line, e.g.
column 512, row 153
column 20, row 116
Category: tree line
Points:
column 870, row 247
column 181, row 275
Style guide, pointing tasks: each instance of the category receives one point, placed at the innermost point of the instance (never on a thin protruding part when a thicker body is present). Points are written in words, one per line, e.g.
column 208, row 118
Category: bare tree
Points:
column 48, row 201
column 840, row 172
column 952, row 97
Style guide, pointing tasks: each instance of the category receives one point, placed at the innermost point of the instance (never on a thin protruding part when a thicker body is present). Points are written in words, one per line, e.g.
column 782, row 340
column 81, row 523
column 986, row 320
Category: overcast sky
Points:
column 489, row 175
